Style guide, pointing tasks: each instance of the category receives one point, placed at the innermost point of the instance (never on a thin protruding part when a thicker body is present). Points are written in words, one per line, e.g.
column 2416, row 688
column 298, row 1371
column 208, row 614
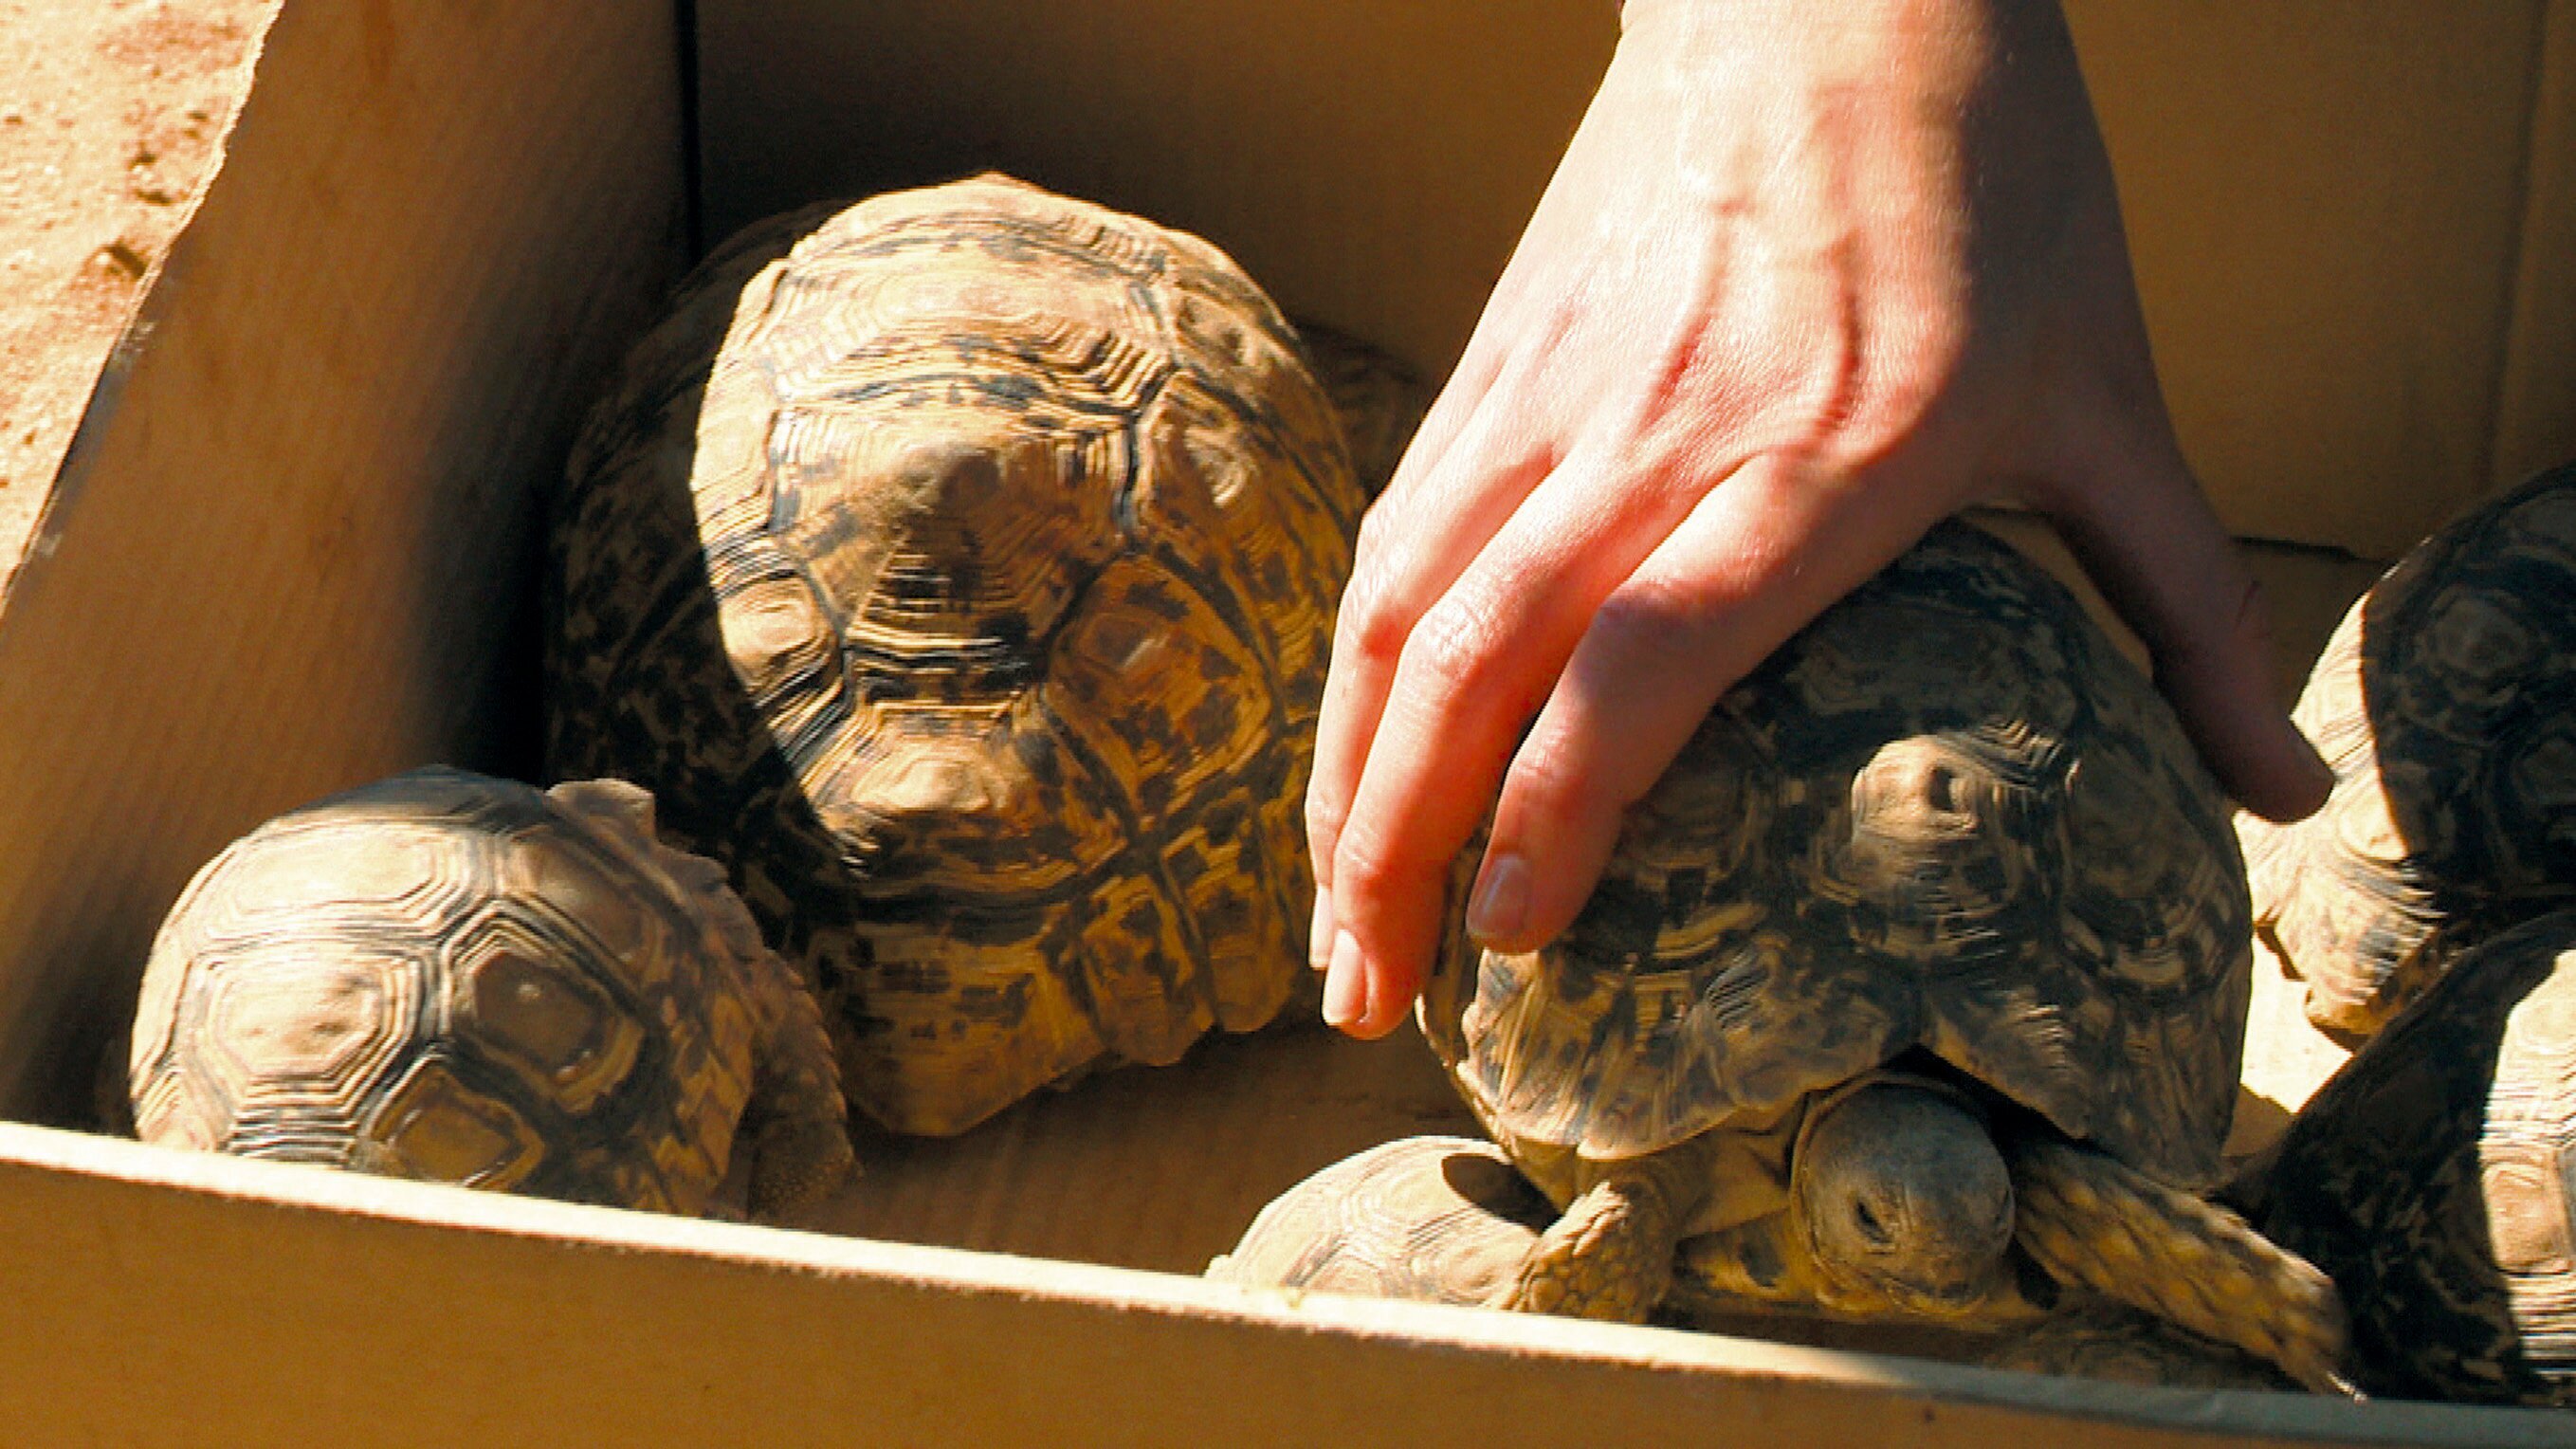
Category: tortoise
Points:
column 457, row 978
column 2446, row 702
column 1924, row 966
column 2434, row 1175
column 1448, row 1220
column 1426, row 1219
column 958, row 568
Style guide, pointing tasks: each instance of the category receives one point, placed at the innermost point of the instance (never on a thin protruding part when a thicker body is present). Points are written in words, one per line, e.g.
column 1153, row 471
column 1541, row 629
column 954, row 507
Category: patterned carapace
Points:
column 2446, row 702
column 457, row 978
column 959, row 567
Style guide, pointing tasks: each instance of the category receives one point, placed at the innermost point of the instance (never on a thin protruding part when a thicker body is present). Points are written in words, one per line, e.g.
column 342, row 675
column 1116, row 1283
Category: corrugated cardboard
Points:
column 2336, row 206
column 290, row 552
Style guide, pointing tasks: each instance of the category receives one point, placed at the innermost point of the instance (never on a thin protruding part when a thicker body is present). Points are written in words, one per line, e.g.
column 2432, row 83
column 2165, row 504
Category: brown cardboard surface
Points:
column 386, row 1313
column 1370, row 163
column 284, row 554
column 1153, row 1169
column 2324, row 199
column 2536, row 423
column 2286, row 1059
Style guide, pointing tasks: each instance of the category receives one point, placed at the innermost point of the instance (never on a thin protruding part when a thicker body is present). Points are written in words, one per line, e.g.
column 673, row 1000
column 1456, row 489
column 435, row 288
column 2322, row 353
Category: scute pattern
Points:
column 2434, row 1176
column 1428, row 1219
column 959, row 568
column 2446, row 702
column 1945, row 816
column 513, row 990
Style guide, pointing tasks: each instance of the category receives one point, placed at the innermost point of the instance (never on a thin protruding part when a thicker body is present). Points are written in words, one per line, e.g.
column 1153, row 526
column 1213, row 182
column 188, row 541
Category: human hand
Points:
column 1809, row 279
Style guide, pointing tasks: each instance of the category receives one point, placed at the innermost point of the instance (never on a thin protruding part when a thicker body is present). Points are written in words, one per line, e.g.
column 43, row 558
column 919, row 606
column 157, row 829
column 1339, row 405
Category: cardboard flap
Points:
column 285, row 555
column 395, row 1313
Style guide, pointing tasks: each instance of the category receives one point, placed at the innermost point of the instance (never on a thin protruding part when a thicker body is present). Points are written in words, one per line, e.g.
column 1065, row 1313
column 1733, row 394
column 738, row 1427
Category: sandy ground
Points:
column 110, row 115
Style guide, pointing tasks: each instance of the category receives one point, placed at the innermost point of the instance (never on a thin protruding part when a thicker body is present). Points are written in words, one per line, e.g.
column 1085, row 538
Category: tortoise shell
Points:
column 460, row 979
column 1447, row 1220
column 1426, row 1219
column 2434, row 1176
column 959, row 569
column 1948, row 818
column 2446, row 702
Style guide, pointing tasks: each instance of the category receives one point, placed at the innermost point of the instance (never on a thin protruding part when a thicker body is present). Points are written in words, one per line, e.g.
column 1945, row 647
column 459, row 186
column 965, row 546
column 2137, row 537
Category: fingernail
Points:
column 1319, row 934
column 1500, row 908
column 1345, row 984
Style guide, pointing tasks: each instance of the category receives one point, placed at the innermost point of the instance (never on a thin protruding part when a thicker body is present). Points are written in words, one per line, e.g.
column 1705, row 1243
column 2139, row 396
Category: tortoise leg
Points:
column 796, row 1124
column 1610, row 1254
column 2091, row 1220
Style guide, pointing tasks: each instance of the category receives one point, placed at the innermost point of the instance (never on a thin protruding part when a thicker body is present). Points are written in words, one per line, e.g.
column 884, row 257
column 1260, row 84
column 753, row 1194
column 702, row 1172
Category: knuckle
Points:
column 1325, row 815
column 1456, row 644
column 1649, row 622
column 1366, row 864
column 1551, row 777
column 1364, row 628
column 1855, row 410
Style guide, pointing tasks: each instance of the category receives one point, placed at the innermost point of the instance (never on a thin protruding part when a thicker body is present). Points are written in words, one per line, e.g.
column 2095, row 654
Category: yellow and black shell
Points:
column 2446, row 702
column 1947, row 819
column 461, row 979
column 2434, row 1175
column 959, row 567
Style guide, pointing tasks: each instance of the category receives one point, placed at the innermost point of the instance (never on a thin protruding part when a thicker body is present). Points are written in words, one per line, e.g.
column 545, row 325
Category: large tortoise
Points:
column 457, row 978
column 958, row 568
column 2446, row 701
column 1925, row 964
column 2434, row 1176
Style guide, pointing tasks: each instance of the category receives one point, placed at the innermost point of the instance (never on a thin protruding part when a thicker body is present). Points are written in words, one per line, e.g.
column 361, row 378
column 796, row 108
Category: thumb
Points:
column 2149, row 539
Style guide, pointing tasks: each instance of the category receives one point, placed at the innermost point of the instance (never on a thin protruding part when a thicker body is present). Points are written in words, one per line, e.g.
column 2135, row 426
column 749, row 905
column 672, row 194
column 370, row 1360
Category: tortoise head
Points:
column 1899, row 1191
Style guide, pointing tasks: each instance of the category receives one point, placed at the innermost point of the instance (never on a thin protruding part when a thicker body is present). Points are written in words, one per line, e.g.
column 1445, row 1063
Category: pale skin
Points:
column 1810, row 278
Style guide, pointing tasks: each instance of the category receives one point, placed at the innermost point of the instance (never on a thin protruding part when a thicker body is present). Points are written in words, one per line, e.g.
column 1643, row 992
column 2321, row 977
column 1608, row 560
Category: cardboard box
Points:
column 291, row 548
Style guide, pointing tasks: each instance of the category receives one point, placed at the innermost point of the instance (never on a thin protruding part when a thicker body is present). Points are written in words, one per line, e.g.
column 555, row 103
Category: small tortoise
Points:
column 1427, row 1219
column 2446, row 702
column 2435, row 1177
column 958, row 567
column 1448, row 1220
column 462, row 979
column 1932, row 944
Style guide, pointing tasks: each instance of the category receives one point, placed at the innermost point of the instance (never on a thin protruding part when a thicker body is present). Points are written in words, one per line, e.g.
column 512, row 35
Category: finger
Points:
column 1460, row 399
column 1413, row 545
column 1767, row 551
column 1476, row 666
column 2149, row 539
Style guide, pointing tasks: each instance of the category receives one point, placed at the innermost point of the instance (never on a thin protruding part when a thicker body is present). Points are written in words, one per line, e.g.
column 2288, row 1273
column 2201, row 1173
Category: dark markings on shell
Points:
column 457, row 978
column 2446, row 702
column 1012, row 531
column 1945, row 816
column 2434, row 1176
